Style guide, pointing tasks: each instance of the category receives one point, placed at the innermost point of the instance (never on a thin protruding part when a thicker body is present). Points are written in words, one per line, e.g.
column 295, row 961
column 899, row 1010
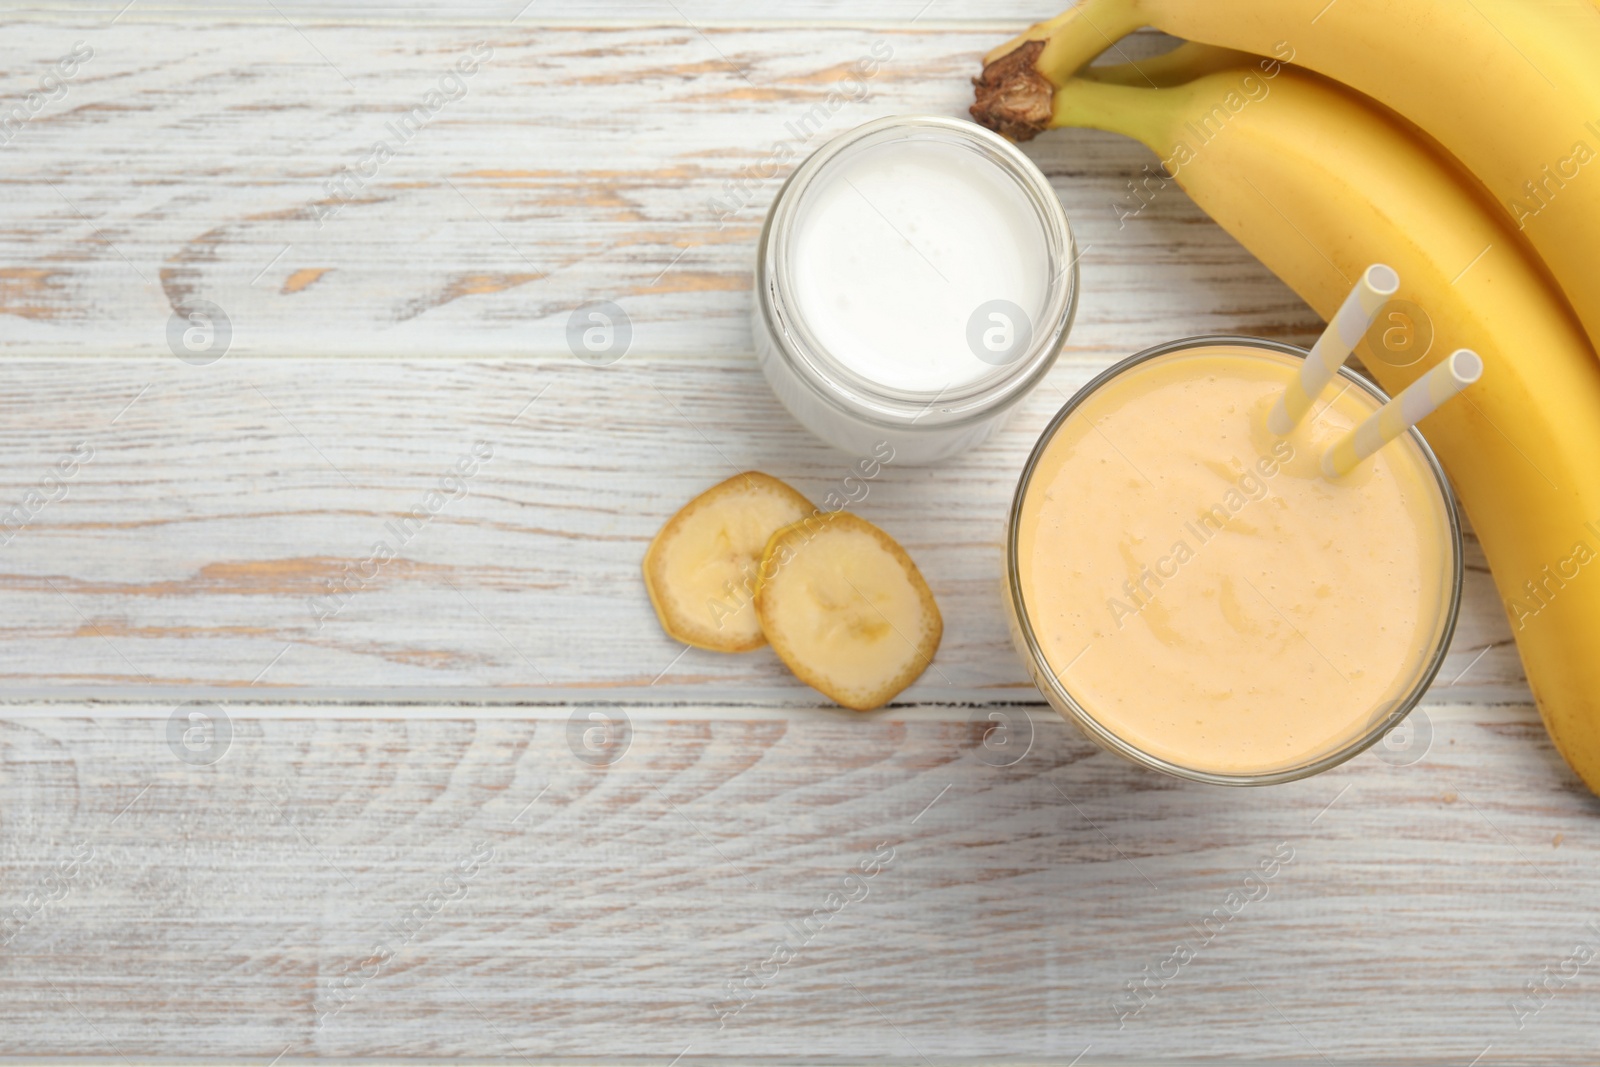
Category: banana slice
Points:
column 700, row 569
column 846, row 609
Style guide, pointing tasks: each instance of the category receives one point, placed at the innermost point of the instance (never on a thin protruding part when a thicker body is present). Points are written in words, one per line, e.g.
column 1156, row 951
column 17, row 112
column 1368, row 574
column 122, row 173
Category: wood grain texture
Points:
column 163, row 908
column 225, row 500
column 620, row 900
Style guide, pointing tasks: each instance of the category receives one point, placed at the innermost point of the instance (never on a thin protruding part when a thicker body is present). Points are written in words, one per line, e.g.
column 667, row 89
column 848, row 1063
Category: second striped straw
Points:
column 1416, row 402
column 1345, row 330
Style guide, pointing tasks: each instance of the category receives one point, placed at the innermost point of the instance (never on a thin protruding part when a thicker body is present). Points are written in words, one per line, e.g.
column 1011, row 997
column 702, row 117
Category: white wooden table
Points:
column 397, row 844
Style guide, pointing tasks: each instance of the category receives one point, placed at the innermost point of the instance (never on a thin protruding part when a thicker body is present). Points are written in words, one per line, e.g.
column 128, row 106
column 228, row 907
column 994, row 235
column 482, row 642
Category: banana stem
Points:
column 1019, row 78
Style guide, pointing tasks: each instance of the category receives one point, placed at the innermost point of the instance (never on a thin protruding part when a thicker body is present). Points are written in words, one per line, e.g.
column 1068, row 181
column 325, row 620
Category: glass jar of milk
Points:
column 916, row 277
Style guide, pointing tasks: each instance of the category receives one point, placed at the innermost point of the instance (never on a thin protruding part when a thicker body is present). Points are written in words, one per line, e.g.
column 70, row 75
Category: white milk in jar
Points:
column 915, row 279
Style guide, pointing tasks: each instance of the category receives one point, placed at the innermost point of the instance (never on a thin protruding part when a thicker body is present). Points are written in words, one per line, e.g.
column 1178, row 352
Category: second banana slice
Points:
column 845, row 608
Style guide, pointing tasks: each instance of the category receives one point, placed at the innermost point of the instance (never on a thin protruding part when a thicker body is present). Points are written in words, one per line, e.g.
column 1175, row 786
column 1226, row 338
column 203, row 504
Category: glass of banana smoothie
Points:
column 1191, row 590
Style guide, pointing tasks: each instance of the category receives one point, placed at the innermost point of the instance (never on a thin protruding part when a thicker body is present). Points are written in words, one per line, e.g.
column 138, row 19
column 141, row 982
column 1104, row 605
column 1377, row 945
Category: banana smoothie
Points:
column 1201, row 594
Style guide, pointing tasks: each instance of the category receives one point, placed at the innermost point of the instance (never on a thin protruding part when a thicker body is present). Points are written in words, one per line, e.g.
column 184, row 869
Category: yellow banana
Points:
column 1318, row 184
column 1510, row 87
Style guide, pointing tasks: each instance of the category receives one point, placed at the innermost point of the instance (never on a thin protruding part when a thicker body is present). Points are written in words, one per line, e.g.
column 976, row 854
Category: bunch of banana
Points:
column 752, row 561
column 1318, row 182
column 1511, row 88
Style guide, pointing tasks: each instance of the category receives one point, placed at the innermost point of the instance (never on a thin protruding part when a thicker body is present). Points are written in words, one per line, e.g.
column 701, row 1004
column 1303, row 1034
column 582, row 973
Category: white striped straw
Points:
column 1345, row 330
column 1419, row 400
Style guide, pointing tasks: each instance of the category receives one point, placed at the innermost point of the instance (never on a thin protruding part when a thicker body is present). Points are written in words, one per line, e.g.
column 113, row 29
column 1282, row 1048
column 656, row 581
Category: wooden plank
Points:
column 199, row 544
column 634, row 165
column 224, row 905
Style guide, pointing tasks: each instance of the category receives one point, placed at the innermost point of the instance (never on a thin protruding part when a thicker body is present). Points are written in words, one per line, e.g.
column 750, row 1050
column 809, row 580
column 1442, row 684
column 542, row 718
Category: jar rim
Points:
column 1061, row 699
column 857, row 395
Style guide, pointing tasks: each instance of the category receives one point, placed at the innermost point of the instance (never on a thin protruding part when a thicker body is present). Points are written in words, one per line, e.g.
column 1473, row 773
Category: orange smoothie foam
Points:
column 1203, row 592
